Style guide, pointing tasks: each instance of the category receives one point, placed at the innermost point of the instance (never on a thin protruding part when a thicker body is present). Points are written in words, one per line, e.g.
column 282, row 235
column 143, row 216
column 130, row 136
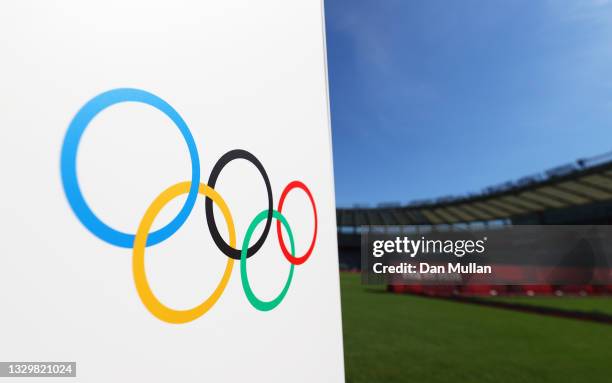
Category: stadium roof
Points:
column 582, row 182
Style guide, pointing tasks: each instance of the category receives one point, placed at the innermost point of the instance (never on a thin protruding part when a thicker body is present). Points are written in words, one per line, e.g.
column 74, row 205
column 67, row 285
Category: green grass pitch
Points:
column 403, row 338
column 590, row 304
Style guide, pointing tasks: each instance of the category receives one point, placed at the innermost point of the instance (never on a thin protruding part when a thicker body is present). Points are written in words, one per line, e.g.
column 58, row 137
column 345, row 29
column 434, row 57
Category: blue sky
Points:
column 432, row 98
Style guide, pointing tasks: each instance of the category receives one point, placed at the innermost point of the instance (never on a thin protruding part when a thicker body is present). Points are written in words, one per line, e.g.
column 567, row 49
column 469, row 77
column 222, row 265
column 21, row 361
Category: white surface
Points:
column 242, row 74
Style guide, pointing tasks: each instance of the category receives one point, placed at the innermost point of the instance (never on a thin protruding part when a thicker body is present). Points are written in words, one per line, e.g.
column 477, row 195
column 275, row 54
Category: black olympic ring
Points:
column 210, row 217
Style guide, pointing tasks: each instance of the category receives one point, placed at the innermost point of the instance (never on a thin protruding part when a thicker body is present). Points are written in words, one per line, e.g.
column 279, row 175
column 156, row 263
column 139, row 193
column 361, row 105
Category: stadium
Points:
column 543, row 332
column 433, row 100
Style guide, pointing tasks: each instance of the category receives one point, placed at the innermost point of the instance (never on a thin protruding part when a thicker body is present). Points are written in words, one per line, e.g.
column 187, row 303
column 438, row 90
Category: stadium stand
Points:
column 572, row 194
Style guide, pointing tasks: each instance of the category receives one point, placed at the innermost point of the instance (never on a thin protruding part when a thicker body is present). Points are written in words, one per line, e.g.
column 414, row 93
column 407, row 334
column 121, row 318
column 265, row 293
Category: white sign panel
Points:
column 167, row 209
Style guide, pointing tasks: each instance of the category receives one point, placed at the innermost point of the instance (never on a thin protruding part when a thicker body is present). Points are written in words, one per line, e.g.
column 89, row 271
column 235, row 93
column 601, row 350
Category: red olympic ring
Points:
column 296, row 260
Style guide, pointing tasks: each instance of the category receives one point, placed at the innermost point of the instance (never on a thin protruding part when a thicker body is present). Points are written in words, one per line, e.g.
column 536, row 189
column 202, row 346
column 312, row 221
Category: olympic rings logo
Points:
column 143, row 238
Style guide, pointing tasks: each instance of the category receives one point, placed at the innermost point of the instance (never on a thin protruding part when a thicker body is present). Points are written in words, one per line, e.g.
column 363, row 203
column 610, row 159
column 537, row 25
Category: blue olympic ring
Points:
column 69, row 174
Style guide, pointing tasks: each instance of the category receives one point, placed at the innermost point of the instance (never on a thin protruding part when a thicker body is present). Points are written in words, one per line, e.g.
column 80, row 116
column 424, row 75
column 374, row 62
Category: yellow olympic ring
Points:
column 147, row 296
